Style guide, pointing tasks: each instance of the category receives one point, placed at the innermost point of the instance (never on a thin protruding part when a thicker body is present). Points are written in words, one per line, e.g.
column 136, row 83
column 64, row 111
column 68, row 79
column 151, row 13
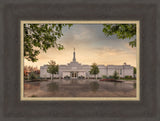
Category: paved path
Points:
column 74, row 88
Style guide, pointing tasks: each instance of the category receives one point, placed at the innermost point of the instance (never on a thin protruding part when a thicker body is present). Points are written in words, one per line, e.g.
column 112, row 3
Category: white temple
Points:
column 76, row 70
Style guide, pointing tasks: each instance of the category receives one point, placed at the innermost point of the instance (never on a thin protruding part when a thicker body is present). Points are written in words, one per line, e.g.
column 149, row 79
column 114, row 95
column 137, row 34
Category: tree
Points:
column 32, row 76
column 115, row 75
column 122, row 31
column 135, row 71
column 29, row 69
column 41, row 37
column 52, row 68
column 94, row 69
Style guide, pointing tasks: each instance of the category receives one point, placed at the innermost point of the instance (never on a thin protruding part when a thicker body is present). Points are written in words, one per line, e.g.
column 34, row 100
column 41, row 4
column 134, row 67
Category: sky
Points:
column 91, row 46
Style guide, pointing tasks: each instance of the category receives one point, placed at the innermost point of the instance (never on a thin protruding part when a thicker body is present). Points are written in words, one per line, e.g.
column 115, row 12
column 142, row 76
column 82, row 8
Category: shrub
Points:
column 115, row 75
column 32, row 76
column 25, row 78
column 81, row 77
column 128, row 77
column 38, row 77
column 99, row 78
column 67, row 77
column 104, row 77
column 110, row 77
column 94, row 86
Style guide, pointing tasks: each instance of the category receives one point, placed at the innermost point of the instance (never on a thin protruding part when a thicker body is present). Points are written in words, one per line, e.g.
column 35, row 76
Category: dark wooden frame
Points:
column 13, row 109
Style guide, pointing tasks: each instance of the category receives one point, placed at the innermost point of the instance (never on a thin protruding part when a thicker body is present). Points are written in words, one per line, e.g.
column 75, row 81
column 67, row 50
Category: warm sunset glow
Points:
column 91, row 45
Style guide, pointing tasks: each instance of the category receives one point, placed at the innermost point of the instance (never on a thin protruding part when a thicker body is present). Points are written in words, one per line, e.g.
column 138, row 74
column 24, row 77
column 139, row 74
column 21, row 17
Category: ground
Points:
column 79, row 88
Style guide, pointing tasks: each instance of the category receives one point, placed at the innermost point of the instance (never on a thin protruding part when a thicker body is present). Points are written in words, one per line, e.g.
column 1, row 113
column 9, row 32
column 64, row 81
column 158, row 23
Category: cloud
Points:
column 91, row 46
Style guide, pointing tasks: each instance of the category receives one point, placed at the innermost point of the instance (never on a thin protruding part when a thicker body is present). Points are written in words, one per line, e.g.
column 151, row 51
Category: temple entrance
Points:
column 74, row 75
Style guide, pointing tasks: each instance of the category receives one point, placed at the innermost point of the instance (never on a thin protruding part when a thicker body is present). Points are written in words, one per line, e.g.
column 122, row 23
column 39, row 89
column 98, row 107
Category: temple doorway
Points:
column 74, row 75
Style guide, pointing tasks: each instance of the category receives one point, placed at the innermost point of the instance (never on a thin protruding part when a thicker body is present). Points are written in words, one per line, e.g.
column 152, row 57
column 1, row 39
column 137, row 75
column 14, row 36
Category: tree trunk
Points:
column 95, row 76
column 51, row 76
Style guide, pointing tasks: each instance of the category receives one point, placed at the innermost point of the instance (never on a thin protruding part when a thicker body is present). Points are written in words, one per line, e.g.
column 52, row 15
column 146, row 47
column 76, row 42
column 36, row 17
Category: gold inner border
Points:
column 137, row 98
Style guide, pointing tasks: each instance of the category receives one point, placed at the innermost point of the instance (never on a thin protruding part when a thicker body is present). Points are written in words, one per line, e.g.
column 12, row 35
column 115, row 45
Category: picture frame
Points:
column 15, row 109
column 136, row 98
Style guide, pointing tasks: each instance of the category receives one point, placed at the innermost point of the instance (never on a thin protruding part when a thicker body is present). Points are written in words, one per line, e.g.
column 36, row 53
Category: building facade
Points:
column 75, row 70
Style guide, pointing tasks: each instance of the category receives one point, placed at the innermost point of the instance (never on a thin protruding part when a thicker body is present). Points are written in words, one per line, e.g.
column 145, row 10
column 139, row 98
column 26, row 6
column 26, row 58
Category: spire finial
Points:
column 74, row 55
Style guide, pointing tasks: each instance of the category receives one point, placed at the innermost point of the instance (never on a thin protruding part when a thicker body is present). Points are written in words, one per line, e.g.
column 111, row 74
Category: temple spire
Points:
column 74, row 55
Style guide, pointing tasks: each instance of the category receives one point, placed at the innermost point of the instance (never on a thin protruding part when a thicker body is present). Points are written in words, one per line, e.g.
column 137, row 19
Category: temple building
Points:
column 75, row 70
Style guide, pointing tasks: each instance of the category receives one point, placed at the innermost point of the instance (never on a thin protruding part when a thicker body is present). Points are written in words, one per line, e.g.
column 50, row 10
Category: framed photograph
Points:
column 116, row 43
column 79, row 61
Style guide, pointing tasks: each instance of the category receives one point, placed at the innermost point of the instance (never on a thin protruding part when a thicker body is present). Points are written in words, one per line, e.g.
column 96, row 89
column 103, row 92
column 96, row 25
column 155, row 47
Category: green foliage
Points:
column 53, row 86
column 110, row 77
column 52, row 67
column 32, row 76
column 104, row 77
column 128, row 77
column 25, row 78
column 94, row 86
column 122, row 31
column 67, row 77
column 94, row 69
column 135, row 70
column 115, row 75
column 81, row 77
column 41, row 37
column 132, row 43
